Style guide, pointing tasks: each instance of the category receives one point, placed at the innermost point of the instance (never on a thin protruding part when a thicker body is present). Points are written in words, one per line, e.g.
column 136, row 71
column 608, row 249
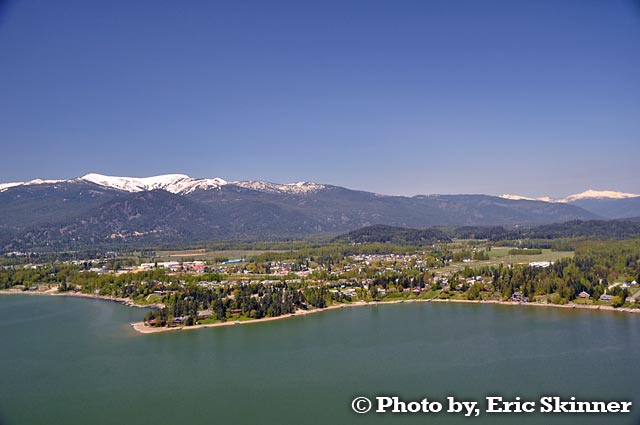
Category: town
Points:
column 259, row 284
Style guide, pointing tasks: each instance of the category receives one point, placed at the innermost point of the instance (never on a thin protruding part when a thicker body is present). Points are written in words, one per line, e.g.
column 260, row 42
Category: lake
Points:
column 73, row 361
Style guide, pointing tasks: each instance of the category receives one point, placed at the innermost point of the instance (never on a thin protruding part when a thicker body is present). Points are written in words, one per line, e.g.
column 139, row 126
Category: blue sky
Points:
column 398, row 97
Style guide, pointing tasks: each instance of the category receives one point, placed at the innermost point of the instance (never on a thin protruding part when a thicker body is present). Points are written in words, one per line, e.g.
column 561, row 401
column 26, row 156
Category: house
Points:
column 350, row 292
column 606, row 297
column 194, row 266
column 203, row 314
column 584, row 295
column 518, row 297
column 382, row 291
column 180, row 320
column 174, row 266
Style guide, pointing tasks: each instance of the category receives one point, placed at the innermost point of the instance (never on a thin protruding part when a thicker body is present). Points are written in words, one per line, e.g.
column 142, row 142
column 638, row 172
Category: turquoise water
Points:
column 77, row 361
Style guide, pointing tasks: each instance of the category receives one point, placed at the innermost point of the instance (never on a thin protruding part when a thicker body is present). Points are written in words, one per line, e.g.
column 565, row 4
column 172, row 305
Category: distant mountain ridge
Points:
column 587, row 194
column 174, row 183
column 604, row 203
column 615, row 229
column 175, row 208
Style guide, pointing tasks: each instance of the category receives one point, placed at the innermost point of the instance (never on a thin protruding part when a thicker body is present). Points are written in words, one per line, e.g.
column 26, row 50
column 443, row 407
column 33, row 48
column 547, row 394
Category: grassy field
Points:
column 503, row 251
column 202, row 254
column 501, row 255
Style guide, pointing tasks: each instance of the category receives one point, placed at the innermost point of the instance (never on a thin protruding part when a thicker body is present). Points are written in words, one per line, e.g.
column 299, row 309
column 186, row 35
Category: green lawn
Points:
column 501, row 255
column 203, row 255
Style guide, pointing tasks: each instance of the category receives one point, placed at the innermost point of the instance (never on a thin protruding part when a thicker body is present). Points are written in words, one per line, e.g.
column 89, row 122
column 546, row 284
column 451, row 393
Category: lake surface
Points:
column 76, row 361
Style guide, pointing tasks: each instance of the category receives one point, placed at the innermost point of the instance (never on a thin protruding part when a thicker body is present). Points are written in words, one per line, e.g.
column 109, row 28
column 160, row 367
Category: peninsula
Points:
column 231, row 285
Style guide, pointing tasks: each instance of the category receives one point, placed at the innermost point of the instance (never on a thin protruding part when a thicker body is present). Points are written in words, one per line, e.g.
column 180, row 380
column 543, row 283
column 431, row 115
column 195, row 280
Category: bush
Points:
column 557, row 299
column 617, row 302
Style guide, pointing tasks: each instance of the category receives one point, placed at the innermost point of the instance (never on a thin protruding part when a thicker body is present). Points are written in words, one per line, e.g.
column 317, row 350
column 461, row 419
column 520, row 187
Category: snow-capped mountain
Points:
column 299, row 187
column 99, row 209
column 175, row 183
column 5, row 186
column 588, row 194
column 599, row 194
column 183, row 184
column 525, row 198
column 604, row 203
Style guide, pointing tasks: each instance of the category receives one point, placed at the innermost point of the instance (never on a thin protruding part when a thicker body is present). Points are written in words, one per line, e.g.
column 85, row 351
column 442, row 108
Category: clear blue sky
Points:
column 399, row 97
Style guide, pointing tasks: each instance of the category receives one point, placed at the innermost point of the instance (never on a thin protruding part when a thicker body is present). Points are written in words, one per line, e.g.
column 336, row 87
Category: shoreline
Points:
column 140, row 327
column 144, row 329
column 54, row 292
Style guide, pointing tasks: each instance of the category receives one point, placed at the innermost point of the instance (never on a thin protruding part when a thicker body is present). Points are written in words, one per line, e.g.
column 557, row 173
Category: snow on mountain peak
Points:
column 261, row 186
column 588, row 194
column 516, row 197
column 5, row 186
column 134, row 184
column 182, row 184
column 174, row 183
column 525, row 198
column 600, row 194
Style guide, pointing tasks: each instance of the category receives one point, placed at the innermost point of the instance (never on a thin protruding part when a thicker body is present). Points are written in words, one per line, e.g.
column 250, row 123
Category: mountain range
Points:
column 604, row 203
column 101, row 210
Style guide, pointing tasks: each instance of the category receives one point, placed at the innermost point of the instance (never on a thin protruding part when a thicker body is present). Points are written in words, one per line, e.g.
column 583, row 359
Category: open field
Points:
column 501, row 255
column 203, row 254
